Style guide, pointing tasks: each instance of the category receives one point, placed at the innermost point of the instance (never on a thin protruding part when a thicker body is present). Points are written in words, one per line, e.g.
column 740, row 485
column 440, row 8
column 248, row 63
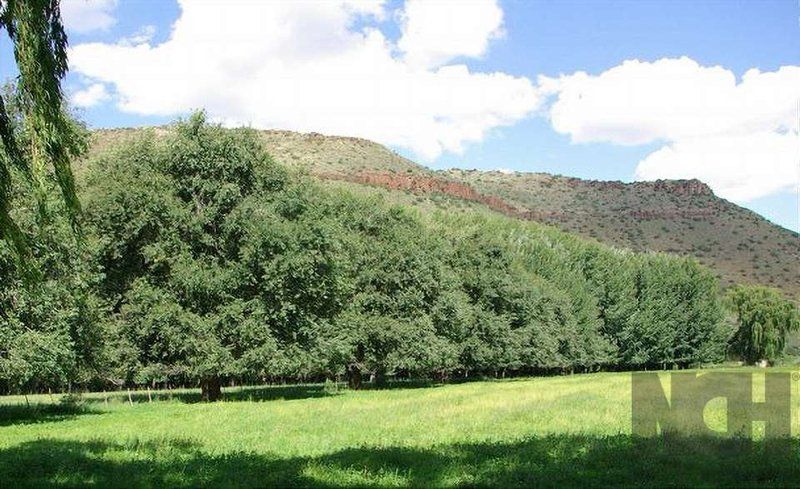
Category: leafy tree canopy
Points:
column 764, row 317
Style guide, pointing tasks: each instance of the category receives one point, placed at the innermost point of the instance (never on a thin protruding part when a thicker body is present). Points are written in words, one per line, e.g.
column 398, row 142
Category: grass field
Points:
column 555, row 431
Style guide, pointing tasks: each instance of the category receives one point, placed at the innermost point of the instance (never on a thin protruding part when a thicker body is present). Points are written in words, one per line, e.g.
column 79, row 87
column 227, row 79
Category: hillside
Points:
column 681, row 217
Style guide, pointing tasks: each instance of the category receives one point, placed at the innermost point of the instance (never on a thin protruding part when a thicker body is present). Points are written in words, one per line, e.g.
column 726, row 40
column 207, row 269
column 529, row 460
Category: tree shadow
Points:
column 549, row 461
column 229, row 394
column 257, row 394
column 403, row 384
column 13, row 414
column 191, row 396
column 251, row 393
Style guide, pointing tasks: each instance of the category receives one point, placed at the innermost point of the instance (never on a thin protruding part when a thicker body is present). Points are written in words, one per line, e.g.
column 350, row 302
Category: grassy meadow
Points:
column 553, row 431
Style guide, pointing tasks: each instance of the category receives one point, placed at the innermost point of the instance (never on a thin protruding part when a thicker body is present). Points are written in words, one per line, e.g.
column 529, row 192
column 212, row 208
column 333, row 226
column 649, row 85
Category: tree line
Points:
column 204, row 261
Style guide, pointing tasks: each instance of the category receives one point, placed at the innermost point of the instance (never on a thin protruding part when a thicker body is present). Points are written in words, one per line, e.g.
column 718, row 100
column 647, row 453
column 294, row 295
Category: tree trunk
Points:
column 353, row 377
column 380, row 377
column 354, row 369
column 211, row 389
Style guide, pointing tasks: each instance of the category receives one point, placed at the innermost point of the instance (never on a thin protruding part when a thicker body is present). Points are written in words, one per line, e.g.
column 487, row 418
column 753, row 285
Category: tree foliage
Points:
column 51, row 329
column 221, row 264
column 764, row 317
column 38, row 138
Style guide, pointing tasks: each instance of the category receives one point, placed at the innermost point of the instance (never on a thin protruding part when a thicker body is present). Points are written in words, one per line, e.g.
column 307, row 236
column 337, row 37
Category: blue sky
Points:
column 130, row 68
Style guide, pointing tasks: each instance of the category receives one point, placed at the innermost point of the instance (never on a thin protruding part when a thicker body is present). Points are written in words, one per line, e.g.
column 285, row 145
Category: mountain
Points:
column 676, row 216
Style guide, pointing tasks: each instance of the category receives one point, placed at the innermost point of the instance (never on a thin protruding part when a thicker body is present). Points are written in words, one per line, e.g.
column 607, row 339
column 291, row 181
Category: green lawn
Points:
column 553, row 431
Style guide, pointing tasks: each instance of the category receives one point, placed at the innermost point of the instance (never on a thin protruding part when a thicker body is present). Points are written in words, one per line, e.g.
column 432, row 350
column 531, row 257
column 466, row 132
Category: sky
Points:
column 622, row 90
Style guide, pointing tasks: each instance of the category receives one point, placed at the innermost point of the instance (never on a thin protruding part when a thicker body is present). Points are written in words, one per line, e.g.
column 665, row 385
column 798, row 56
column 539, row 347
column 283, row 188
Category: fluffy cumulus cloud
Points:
column 84, row 16
column 436, row 31
column 321, row 66
column 739, row 136
column 90, row 96
column 741, row 168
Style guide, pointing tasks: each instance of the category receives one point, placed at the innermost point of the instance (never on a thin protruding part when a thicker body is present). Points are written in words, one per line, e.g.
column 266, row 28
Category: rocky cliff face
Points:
column 432, row 184
column 677, row 187
column 425, row 184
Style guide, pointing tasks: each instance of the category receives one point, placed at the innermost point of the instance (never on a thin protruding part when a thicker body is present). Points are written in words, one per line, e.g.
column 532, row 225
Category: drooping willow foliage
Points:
column 764, row 319
column 38, row 141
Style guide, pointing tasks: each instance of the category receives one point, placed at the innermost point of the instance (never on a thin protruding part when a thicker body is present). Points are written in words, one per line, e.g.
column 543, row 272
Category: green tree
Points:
column 678, row 317
column 50, row 318
column 38, row 144
column 217, row 264
column 396, row 275
column 763, row 317
column 51, row 329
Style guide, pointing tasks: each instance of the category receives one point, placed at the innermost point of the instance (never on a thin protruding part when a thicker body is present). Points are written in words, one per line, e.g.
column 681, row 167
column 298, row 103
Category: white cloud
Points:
column 90, row 96
column 84, row 16
column 739, row 137
column 304, row 66
column 436, row 31
column 142, row 36
column 740, row 168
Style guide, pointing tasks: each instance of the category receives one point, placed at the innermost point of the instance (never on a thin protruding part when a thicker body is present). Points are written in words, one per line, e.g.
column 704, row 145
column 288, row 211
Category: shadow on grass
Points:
column 265, row 393
column 189, row 396
column 12, row 414
column 249, row 393
column 91, row 404
column 551, row 461
column 412, row 384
